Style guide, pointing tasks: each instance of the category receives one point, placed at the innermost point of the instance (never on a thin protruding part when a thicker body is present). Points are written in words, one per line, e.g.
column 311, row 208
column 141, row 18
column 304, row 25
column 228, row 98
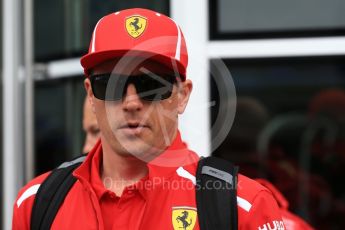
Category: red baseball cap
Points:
column 137, row 32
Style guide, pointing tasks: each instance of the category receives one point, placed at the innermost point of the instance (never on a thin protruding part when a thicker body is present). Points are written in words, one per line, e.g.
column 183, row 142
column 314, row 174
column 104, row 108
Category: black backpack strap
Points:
column 216, row 196
column 52, row 193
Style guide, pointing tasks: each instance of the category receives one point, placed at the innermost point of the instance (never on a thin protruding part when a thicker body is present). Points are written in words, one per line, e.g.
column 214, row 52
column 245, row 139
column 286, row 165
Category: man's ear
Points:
column 89, row 93
column 184, row 90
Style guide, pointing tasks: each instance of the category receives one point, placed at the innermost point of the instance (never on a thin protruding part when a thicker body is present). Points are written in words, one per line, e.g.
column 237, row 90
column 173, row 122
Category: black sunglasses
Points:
column 149, row 87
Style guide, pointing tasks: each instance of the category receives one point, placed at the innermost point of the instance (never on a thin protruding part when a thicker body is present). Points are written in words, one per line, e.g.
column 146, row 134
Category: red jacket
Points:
column 159, row 201
column 291, row 221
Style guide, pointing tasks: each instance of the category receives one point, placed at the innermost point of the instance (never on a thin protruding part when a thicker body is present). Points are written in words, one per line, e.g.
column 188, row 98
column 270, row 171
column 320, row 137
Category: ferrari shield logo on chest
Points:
column 184, row 218
column 136, row 25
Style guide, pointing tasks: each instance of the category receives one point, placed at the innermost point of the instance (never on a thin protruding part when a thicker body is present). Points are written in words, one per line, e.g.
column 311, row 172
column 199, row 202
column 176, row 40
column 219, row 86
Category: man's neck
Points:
column 118, row 172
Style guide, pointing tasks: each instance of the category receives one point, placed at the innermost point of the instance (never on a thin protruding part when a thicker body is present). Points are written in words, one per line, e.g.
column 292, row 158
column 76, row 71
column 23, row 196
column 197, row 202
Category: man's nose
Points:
column 89, row 142
column 132, row 101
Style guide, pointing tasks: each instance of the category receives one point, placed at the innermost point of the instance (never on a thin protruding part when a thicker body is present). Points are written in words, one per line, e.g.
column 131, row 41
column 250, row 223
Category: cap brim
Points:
column 91, row 60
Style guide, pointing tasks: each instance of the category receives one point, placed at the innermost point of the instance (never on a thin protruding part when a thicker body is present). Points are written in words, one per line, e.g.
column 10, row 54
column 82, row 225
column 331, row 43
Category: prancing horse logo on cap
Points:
column 136, row 25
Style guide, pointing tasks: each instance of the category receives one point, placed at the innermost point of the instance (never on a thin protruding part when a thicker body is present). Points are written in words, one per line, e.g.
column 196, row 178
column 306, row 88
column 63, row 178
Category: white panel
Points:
column 64, row 68
column 11, row 169
column 192, row 17
column 277, row 47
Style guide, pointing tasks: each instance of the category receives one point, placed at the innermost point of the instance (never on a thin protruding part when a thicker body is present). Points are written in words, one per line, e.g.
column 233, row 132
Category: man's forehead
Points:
column 131, row 66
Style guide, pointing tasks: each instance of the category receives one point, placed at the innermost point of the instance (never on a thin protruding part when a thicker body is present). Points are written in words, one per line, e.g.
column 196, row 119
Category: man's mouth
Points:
column 133, row 128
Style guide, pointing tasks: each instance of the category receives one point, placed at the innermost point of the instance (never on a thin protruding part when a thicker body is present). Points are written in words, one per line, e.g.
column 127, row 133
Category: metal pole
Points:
column 29, row 94
column 11, row 173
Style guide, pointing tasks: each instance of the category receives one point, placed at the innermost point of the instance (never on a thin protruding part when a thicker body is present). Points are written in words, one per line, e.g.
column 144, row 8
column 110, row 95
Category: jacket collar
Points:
column 159, row 169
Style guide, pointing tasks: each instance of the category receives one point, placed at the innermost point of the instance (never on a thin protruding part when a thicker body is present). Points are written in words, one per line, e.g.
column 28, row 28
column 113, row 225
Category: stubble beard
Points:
column 134, row 146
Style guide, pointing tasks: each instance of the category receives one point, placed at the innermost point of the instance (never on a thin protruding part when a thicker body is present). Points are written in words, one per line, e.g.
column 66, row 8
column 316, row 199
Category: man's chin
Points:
column 139, row 150
column 134, row 146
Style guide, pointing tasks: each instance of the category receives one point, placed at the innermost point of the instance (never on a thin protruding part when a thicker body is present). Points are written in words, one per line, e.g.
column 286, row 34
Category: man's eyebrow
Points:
column 95, row 127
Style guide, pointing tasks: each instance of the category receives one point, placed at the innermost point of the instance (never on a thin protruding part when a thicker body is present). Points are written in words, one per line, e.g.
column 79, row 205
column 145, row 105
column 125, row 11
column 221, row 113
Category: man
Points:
column 241, row 148
column 291, row 220
column 90, row 127
column 140, row 175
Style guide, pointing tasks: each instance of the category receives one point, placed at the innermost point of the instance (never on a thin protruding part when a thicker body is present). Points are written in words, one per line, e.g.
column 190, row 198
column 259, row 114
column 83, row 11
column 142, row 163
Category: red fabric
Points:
column 291, row 221
column 89, row 206
column 160, row 40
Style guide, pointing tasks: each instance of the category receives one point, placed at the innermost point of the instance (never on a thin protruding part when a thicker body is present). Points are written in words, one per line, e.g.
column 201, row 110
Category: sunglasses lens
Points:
column 149, row 88
column 99, row 85
column 154, row 88
column 108, row 87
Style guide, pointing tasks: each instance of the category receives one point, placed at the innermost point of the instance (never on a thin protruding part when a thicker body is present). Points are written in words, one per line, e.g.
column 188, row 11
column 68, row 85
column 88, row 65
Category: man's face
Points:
column 133, row 125
column 90, row 127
